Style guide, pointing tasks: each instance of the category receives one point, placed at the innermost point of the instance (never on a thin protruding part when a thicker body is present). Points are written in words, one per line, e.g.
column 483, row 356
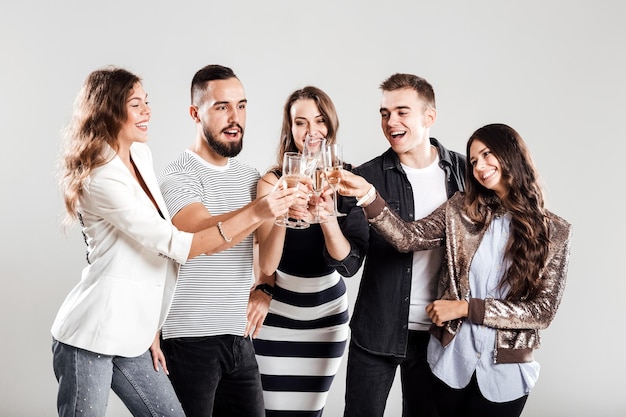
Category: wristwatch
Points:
column 266, row 288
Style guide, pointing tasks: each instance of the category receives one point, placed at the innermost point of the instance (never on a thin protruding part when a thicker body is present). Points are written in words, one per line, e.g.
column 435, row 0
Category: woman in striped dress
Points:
column 303, row 338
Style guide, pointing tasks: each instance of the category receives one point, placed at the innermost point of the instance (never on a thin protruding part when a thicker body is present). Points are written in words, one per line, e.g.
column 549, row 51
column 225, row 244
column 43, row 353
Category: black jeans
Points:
column 215, row 376
column 469, row 402
column 370, row 377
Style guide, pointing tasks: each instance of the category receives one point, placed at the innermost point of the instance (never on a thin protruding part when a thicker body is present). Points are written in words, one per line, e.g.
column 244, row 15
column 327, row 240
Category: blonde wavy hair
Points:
column 98, row 115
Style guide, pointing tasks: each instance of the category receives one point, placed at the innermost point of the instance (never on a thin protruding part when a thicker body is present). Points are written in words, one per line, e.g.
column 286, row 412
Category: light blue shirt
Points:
column 473, row 347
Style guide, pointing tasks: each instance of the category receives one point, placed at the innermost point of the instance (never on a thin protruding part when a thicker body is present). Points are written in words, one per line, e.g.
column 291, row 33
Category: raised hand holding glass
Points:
column 333, row 166
column 293, row 168
column 312, row 151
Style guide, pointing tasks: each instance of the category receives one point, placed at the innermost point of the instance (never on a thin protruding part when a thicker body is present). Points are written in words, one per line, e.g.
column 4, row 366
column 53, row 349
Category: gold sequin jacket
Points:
column 517, row 323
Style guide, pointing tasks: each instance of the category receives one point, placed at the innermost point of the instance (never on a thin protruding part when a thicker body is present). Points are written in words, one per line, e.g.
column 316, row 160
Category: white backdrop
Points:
column 554, row 70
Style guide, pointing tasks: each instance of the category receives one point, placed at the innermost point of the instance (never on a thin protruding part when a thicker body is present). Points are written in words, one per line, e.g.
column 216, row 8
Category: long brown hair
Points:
column 99, row 113
column 327, row 110
column 527, row 248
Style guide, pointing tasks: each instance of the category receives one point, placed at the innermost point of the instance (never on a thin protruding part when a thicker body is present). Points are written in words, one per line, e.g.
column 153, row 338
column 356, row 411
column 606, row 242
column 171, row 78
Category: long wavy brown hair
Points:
column 527, row 248
column 327, row 110
column 98, row 116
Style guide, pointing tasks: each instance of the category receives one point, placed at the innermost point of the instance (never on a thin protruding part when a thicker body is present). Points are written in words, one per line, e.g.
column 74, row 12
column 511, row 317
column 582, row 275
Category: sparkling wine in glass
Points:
column 318, row 185
column 290, row 178
column 293, row 168
column 312, row 152
column 333, row 166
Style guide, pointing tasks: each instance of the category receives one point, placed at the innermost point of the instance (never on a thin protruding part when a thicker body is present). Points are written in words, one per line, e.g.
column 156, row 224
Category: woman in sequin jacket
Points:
column 502, row 279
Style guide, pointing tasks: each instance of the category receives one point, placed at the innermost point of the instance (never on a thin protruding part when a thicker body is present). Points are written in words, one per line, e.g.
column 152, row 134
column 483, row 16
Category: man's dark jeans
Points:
column 370, row 377
column 215, row 376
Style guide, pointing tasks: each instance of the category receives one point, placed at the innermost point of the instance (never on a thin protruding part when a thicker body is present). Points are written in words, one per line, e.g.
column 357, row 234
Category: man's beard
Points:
column 225, row 149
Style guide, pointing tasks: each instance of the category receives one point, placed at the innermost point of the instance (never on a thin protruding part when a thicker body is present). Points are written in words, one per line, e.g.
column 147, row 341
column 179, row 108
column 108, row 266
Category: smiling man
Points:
column 210, row 358
column 389, row 323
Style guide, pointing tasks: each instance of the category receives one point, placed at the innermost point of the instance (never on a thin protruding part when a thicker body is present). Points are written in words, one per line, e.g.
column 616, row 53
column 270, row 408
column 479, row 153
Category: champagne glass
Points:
column 293, row 168
column 312, row 152
column 333, row 165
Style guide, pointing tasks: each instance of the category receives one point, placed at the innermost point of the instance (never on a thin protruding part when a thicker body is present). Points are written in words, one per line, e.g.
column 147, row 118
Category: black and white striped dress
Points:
column 302, row 341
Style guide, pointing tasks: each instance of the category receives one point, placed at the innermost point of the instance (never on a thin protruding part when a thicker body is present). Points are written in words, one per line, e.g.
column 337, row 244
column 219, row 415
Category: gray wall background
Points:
column 554, row 70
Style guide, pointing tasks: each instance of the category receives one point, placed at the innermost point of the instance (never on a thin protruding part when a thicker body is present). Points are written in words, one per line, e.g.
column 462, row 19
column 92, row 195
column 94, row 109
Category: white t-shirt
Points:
column 429, row 192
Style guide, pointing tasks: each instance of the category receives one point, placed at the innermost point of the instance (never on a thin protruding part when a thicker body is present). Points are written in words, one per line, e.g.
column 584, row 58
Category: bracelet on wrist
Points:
column 226, row 238
column 266, row 288
column 367, row 197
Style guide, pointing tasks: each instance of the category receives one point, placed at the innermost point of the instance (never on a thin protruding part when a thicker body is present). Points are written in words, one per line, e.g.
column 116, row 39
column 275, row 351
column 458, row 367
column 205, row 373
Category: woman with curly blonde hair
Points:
column 106, row 333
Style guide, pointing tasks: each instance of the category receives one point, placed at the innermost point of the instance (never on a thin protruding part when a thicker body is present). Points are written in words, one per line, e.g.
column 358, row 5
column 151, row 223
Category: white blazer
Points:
column 126, row 289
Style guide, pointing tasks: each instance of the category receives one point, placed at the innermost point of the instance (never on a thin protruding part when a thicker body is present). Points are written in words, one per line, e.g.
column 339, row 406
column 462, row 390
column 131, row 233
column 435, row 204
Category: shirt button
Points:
column 478, row 356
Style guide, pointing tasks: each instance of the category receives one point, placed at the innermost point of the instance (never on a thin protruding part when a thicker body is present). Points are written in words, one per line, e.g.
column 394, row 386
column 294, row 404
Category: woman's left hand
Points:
column 441, row 311
column 157, row 354
column 323, row 203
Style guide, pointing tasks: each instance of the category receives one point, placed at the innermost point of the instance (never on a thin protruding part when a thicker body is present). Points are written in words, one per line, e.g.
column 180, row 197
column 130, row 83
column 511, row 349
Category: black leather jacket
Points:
column 379, row 322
